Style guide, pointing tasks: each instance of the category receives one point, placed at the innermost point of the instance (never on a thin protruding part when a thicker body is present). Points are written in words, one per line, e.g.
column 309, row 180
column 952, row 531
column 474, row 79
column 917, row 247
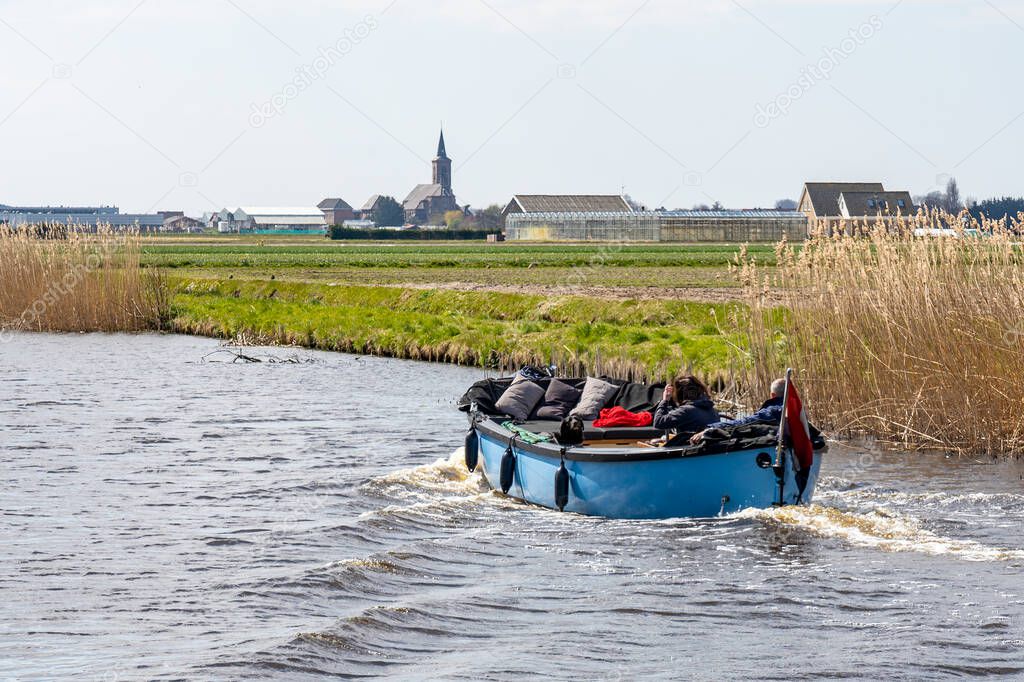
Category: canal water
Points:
column 165, row 516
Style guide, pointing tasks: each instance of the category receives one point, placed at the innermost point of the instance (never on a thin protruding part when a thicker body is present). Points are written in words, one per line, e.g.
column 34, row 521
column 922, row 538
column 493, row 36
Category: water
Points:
column 168, row 518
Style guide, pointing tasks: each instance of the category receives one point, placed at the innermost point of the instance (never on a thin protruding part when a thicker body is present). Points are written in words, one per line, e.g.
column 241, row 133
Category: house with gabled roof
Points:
column 336, row 211
column 864, row 202
column 370, row 206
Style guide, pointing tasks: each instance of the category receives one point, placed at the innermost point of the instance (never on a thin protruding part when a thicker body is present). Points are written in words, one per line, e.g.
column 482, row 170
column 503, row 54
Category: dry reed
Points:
column 61, row 278
column 917, row 339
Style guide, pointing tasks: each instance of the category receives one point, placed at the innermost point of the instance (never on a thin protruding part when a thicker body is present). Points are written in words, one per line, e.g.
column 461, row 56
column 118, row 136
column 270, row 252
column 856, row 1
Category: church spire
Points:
column 440, row 147
column 443, row 168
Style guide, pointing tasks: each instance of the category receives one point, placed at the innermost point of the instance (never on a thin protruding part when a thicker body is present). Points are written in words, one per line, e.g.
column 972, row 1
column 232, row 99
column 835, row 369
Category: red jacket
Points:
column 620, row 416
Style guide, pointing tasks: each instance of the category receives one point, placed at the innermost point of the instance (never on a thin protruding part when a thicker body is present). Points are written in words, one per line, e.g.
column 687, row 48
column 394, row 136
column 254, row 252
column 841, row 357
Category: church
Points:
column 436, row 198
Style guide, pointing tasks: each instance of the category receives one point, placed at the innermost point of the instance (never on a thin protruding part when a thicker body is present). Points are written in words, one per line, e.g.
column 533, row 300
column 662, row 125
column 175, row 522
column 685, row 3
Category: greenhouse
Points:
column 659, row 226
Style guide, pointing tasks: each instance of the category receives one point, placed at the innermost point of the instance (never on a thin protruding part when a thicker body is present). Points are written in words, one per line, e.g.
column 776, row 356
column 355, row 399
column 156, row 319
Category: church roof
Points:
column 421, row 193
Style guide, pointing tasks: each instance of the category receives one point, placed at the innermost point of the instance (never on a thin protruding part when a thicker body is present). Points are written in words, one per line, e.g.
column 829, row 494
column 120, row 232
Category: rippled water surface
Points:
column 168, row 518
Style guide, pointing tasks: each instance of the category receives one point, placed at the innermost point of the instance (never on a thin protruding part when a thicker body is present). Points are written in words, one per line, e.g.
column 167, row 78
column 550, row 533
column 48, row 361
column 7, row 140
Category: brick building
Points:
column 435, row 198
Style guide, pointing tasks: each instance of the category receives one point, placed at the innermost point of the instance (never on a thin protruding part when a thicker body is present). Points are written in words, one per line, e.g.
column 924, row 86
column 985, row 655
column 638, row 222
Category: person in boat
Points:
column 770, row 413
column 686, row 407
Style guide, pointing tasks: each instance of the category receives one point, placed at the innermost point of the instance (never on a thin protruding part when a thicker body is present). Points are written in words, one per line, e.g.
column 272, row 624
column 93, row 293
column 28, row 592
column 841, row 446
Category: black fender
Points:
column 472, row 450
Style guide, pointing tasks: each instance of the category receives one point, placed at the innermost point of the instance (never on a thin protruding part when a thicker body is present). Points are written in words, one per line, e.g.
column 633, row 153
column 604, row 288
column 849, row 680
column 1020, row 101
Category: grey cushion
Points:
column 596, row 393
column 520, row 398
column 558, row 400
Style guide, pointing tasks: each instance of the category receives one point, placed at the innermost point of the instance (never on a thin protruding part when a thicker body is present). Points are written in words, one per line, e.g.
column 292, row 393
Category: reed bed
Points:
column 915, row 339
column 61, row 278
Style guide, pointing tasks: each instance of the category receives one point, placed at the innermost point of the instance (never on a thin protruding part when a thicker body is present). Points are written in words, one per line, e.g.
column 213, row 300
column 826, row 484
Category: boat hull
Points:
column 695, row 486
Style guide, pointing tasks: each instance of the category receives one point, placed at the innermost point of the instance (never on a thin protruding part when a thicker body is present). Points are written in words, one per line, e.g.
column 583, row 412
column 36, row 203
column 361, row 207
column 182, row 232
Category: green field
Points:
column 441, row 255
column 699, row 272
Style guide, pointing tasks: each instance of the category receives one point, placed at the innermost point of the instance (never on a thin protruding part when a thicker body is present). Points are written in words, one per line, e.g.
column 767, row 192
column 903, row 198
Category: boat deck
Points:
column 594, row 433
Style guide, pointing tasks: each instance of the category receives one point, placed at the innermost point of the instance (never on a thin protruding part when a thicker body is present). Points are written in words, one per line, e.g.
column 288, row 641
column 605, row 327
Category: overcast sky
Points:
column 202, row 104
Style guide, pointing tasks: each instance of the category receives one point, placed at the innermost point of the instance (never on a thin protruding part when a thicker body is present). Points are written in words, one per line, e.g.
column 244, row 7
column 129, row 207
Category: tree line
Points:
column 389, row 213
column 950, row 200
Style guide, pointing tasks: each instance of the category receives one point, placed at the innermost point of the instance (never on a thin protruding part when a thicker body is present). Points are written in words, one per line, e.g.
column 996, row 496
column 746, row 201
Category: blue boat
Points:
column 616, row 473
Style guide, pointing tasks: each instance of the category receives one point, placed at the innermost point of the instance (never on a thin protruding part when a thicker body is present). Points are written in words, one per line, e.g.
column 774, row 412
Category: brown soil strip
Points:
column 696, row 294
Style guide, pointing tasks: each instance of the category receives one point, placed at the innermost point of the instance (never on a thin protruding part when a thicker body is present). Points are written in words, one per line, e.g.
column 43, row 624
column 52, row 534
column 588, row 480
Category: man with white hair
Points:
column 770, row 413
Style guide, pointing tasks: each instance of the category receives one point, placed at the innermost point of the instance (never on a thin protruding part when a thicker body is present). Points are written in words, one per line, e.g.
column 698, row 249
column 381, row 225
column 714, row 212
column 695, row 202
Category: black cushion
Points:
column 559, row 399
column 638, row 397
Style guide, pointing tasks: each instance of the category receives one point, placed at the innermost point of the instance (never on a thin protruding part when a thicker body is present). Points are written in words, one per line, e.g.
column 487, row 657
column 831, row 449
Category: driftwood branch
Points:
column 234, row 355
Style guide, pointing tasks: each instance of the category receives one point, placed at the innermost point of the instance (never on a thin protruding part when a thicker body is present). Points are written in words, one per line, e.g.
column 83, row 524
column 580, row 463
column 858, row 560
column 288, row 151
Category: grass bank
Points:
column 634, row 339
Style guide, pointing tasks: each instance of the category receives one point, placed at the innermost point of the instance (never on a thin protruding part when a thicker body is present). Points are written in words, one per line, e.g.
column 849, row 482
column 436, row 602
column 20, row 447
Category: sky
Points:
column 198, row 105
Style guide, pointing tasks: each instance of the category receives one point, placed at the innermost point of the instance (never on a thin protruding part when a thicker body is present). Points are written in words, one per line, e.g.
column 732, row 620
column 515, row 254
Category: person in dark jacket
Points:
column 770, row 412
column 685, row 407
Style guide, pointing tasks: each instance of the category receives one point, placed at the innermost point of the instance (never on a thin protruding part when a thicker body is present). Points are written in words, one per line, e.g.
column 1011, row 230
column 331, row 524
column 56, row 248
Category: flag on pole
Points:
column 798, row 430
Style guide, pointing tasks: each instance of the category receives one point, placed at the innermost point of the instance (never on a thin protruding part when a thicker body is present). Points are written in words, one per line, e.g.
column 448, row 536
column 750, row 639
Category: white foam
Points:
column 879, row 529
column 444, row 475
column 940, row 499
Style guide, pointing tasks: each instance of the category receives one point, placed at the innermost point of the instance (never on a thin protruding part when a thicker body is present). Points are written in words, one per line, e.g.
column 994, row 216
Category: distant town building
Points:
column 89, row 217
column 370, row 207
column 182, row 223
column 720, row 226
column 438, row 197
column 272, row 220
column 336, row 211
column 64, row 210
column 832, row 203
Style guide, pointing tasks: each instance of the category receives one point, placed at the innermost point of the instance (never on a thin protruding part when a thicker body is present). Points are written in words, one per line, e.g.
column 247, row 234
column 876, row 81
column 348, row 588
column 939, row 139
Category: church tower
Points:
column 443, row 169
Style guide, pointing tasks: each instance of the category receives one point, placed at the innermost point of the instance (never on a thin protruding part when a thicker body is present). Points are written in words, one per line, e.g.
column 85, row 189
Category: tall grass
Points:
column 60, row 278
column 916, row 340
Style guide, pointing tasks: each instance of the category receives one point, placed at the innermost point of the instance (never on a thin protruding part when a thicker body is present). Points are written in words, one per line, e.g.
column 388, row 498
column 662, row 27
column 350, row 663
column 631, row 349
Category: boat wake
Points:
column 878, row 528
column 859, row 516
column 430, row 489
column 445, row 476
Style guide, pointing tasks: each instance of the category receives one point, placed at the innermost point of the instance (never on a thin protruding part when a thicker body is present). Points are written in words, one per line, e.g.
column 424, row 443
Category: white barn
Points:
column 272, row 219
